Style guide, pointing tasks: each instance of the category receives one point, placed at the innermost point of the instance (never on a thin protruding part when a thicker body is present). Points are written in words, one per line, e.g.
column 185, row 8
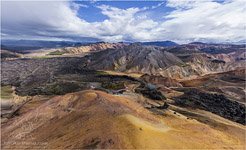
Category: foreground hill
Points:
column 82, row 121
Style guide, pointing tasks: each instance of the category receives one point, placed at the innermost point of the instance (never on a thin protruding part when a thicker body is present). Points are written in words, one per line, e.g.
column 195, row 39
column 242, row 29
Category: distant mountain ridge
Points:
column 199, row 47
column 161, row 43
column 19, row 45
column 92, row 47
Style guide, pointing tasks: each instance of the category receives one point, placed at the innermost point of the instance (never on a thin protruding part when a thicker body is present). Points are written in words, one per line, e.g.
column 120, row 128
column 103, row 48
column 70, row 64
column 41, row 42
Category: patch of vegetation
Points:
column 6, row 92
column 113, row 85
column 101, row 73
column 184, row 65
column 62, row 88
column 58, row 88
column 56, row 53
column 40, row 57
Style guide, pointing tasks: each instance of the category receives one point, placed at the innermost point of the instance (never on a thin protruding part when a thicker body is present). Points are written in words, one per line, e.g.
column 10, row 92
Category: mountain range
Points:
column 191, row 96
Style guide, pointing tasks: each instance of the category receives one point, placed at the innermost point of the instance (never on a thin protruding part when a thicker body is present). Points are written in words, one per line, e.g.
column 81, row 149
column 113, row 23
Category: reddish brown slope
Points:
column 94, row 119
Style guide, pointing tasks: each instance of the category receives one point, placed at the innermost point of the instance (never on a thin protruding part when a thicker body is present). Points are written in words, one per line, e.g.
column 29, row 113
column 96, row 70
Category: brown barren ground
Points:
column 94, row 119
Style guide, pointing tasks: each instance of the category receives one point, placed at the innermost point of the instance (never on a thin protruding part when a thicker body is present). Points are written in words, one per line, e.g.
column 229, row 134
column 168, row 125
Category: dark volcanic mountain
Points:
column 133, row 58
column 161, row 43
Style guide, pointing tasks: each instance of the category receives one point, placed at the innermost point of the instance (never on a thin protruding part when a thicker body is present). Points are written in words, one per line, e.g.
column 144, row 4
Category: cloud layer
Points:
column 189, row 21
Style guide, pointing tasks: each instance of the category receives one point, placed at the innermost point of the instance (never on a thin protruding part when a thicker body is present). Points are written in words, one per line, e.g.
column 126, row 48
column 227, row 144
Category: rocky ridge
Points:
column 94, row 47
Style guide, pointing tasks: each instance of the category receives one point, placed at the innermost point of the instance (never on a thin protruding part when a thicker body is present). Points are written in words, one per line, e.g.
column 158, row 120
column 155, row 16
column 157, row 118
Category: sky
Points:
column 181, row 21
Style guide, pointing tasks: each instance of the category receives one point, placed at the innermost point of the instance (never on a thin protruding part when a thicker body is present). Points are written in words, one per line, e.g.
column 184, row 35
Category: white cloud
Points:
column 208, row 20
column 191, row 20
column 185, row 4
column 158, row 5
column 123, row 24
column 40, row 18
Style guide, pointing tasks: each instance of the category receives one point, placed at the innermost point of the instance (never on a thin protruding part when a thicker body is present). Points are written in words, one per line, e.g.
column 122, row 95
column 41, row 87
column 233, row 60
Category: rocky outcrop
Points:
column 215, row 103
column 150, row 91
column 28, row 71
column 7, row 55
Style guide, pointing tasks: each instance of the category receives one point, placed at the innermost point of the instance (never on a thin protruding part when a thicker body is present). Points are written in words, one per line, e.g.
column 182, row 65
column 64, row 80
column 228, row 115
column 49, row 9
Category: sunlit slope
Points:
column 94, row 119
